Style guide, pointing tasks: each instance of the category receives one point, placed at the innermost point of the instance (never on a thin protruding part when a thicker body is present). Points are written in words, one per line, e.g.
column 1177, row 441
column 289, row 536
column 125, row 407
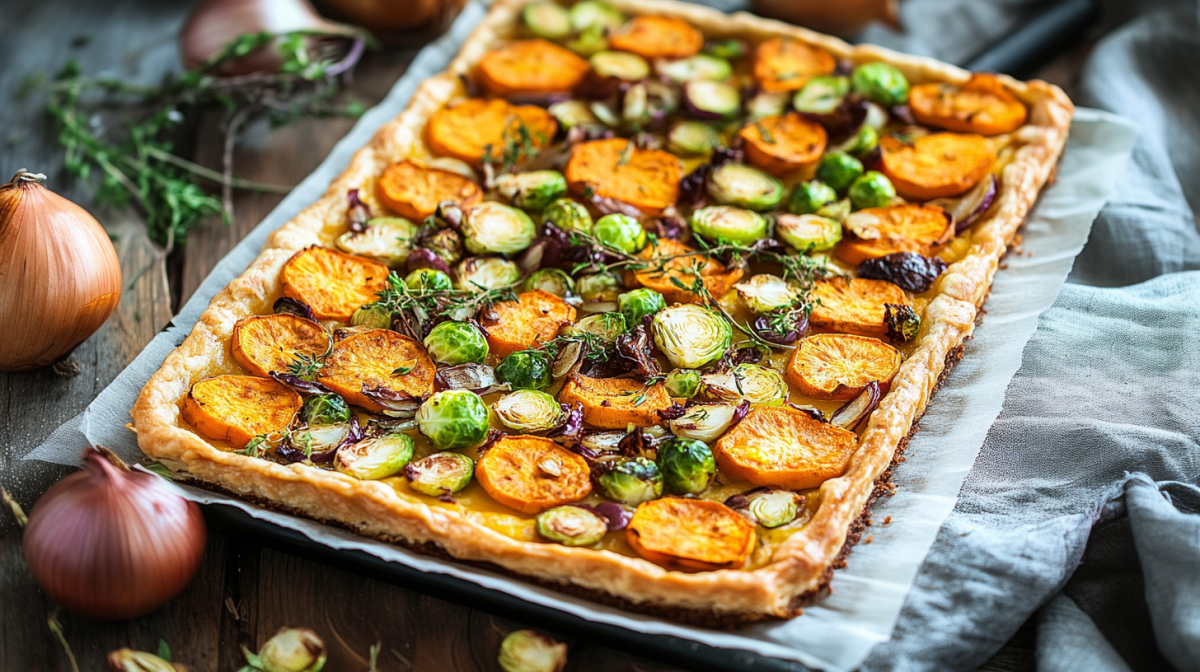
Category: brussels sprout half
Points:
column 552, row 280
column 683, row 383
column 530, row 651
column 375, row 458
column 638, row 303
column 594, row 13
column 880, row 83
column 325, row 409
column 687, row 466
column 735, row 225
column 698, row 67
column 529, row 411
column 387, row 239
column 766, row 104
column 525, row 370
column 605, row 326
column 774, row 508
column 315, row 439
column 495, row 227
column 808, row 232
column 808, row 197
column 821, row 95
column 440, row 474
column 532, row 190
column 745, row 187
column 568, row 216
column 479, row 274
column 454, row 343
column 453, row 419
column 839, row 170
column 632, row 482
column 428, row 280
column 372, row 316
column 547, row 19
column 765, row 292
column 572, row 113
column 759, row 385
column 693, row 137
column 872, row 190
column 620, row 232
column 711, row 100
column 599, row 287
column 705, row 422
column 571, row 526
column 691, row 335
column 865, row 139
column 620, row 65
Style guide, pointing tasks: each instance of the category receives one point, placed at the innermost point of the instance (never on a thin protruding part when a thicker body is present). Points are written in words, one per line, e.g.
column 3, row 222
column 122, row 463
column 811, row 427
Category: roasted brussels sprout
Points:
column 774, row 508
column 572, row 113
column 759, row 385
column 495, row 227
column 865, row 139
column 440, row 474
column 428, row 280
column 292, row 650
column 880, row 83
column 683, row 383
column 529, row 411
column 711, row 100
column 529, row 651
column 700, row 66
column 632, row 482
column 479, row 274
column 745, row 187
column 808, row 197
column 532, row 190
column 376, row 457
column 872, row 190
column 589, row 41
column 693, row 137
column 571, row 526
column 903, row 323
column 547, row 19
column 599, row 287
column 636, row 304
column 821, row 95
column 605, row 326
column 766, row 104
column 706, row 422
column 325, row 409
column 595, row 13
column 619, row 65
column 839, row 170
column 735, row 225
column 387, row 239
column 446, row 244
column 454, row 343
column 687, row 466
column 552, row 280
column 691, row 335
column 525, row 370
column 765, row 292
column 620, row 232
column 372, row 316
column 453, row 419
column 805, row 232
column 568, row 216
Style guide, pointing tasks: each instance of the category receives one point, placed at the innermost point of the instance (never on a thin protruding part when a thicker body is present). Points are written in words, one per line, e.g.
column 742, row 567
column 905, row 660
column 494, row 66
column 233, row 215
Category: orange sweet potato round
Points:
column 839, row 366
column 532, row 474
column 530, row 67
column 476, row 128
column 332, row 283
column 785, row 64
column 699, row 534
column 854, row 305
column 784, row 447
column 924, row 229
column 414, row 191
column 266, row 343
column 612, row 403
column 647, row 179
column 717, row 279
column 369, row 358
column 657, row 37
column 535, row 317
column 238, row 408
column 786, row 144
column 936, row 165
column 982, row 106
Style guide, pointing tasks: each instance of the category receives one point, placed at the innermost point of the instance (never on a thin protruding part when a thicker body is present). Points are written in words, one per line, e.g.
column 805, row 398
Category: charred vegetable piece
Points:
column 745, row 187
column 784, row 447
column 907, row 270
column 615, row 403
column 658, row 37
column 700, row 66
column 333, row 284
column 568, row 216
column 840, row 366
column 936, row 165
column 712, row 100
column 263, row 344
column 687, row 466
column 372, row 316
column 616, row 168
column 386, row 239
column 531, row 474
column 839, row 170
column 764, row 293
column 620, row 65
column 525, row 370
column 428, row 280
column 532, row 190
column 529, row 411
column 632, row 482
column 808, row 232
column 871, row 190
column 638, row 303
column 454, row 343
column 691, row 534
column 599, row 287
column 705, row 422
column 479, row 274
column 691, row 335
column 571, row 526
column 535, row 317
column 880, row 83
column 376, row 457
column 379, row 358
column 759, row 385
column 620, row 232
column 324, row 409
column 493, row 227
column 595, row 14
column 983, row 105
column 606, row 326
column 550, row 280
column 786, row 64
column 440, row 474
column 821, row 95
column 854, row 305
column 808, row 197
column 774, row 508
column 453, row 420
column 725, row 222
column 546, row 19
column 673, row 263
column 683, row 383
column 414, row 191
column 238, row 408
column 476, row 129
column 445, row 244
column 783, row 144
column 902, row 322
column 530, row 67
column 879, row 232
column 693, row 138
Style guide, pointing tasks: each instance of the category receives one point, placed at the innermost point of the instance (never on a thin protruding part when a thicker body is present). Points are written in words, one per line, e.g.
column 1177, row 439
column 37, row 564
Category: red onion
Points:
column 112, row 543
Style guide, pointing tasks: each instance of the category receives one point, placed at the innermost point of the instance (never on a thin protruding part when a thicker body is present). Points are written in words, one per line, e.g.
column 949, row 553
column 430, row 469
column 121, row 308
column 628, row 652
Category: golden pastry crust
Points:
column 800, row 566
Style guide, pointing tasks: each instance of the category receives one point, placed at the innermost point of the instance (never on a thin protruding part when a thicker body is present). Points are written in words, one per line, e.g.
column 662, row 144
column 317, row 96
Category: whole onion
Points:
column 112, row 543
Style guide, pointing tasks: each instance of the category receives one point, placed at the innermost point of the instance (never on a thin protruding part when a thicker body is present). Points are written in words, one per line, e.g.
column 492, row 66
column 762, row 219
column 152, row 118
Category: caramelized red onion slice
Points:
column 968, row 208
column 617, row 516
column 299, row 384
column 421, row 257
column 858, row 409
column 567, row 357
column 358, row 213
column 286, row 304
column 396, row 403
column 478, row 378
column 570, row 432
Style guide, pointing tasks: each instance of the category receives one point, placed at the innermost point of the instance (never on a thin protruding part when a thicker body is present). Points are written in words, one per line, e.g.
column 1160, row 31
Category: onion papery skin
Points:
column 59, row 275
column 113, row 544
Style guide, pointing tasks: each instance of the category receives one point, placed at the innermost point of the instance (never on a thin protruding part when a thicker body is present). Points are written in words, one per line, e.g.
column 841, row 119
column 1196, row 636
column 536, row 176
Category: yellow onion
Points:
column 59, row 274
column 112, row 543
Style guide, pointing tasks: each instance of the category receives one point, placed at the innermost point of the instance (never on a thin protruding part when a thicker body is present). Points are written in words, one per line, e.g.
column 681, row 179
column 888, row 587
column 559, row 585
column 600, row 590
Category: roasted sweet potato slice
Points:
column 785, row 144
column 839, row 366
column 785, row 64
column 414, row 191
column 476, row 129
column 266, row 343
column 699, row 534
column 657, row 37
column 615, row 403
column 239, row 408
column 854, row 305
column 530, row 67
column 784, row 447
column 535, row 317
column 717, row 279
column 372, row 359
column 936, row 165
column 333, row 284
column 647, row 179
column 532, row 474
column 982, row 106
column 924, row 229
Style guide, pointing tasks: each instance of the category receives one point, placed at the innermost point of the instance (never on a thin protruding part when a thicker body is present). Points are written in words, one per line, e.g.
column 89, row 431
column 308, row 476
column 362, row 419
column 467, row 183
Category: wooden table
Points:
column 243, row 593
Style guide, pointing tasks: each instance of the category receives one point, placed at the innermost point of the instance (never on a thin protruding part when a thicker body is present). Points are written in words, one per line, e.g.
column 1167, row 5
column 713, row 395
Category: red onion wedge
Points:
column 969, row 207
column 858, row 409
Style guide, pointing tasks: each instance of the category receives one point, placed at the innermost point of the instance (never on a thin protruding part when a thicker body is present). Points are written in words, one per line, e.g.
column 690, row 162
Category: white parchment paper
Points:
column 838, row 633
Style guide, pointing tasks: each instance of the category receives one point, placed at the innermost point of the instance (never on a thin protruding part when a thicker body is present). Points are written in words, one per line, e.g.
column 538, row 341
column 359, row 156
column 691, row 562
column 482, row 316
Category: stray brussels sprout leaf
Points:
column 440, row 474
column 902, row 323
column 453, row 419
column 908, row 270
column 572, row 525
column 632, row 481
column 527, row 650
column 687, row 466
